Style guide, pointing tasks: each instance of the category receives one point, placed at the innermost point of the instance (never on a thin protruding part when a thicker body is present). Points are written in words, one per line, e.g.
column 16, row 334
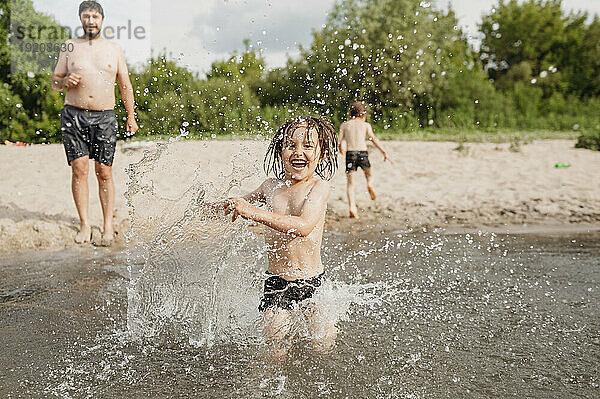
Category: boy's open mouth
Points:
column 298, row 164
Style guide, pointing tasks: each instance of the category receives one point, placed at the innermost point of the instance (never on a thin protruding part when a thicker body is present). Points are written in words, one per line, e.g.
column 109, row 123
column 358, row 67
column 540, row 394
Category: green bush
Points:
column 591, row 141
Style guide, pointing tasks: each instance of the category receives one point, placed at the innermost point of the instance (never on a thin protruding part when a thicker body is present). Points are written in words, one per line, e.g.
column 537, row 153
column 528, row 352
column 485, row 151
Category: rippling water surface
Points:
column 430, row 315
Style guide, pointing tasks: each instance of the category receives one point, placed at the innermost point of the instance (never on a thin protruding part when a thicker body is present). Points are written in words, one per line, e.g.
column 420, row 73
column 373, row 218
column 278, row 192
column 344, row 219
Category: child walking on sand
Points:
column 293, row 206
column 355, row 131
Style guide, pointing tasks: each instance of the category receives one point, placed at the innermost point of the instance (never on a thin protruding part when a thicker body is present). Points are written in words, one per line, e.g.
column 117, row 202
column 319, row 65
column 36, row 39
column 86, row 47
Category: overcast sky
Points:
column 199, row 31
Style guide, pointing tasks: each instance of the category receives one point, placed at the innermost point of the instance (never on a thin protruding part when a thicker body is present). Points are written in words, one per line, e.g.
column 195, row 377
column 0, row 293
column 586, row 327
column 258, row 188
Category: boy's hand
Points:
column 238, row 207
column 387, row 158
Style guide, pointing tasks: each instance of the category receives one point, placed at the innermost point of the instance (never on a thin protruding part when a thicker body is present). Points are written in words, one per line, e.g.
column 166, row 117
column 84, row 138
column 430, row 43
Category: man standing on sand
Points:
column 356, row 131
column 88, row 68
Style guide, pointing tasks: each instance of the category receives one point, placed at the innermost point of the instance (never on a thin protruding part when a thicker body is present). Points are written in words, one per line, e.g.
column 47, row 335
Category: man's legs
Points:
column 350, row 193
column 106, row 187
column 369, row 186
column 80, row 168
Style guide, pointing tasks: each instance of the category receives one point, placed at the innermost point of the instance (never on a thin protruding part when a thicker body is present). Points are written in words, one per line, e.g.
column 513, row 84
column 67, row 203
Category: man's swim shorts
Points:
column 92, row 133
column 284, row 294
column 354, row 159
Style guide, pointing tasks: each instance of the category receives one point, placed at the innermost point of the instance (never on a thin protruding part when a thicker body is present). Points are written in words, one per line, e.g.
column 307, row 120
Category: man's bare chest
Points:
column 86, row 59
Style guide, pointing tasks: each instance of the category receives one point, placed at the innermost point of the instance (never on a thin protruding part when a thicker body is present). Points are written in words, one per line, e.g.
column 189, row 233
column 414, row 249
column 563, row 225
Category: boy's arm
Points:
column 257, row 196
column 376, row 143
column 301, row 225
column 340, row 139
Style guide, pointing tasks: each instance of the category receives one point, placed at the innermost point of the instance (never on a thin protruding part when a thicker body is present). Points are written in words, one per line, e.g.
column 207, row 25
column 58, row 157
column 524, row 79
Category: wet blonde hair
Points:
column 326, row 138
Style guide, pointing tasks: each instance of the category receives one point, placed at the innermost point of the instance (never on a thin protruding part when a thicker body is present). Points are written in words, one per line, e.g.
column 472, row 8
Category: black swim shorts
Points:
column 354, row 159
column 283, row 294
column 92, row 133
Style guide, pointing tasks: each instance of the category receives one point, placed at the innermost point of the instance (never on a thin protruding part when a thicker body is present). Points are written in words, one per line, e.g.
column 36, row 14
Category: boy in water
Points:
column 293, row 206
column 355, row 131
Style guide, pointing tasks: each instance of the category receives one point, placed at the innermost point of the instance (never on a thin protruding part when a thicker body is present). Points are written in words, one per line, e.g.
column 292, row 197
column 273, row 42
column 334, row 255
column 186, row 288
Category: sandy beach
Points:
column 430, row 185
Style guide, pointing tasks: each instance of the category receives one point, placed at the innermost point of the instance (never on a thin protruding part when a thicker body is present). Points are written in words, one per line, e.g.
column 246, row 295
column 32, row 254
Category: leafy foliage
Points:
column 535, row 41
column 589, row 140
column 537, row 69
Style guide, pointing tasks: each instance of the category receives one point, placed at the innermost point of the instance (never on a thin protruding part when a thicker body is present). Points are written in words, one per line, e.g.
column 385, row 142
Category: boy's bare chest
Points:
column 288, row 202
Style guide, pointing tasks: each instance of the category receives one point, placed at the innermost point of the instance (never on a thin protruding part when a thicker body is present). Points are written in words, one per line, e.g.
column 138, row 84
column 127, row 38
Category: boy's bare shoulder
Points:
column 270, row 184
column 320, row 186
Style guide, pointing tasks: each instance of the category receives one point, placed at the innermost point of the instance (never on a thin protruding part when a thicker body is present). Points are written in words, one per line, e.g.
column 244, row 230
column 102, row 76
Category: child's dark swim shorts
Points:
column 92, row 133
column 283, row 294
column 354, row 159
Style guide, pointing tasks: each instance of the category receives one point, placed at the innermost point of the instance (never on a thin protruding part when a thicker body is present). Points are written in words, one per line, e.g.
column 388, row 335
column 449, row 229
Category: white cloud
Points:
column 277, row 25
column 219, row 27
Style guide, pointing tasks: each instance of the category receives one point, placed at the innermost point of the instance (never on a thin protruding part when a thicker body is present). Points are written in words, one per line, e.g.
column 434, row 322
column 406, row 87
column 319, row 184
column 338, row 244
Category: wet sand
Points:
column 481, row 186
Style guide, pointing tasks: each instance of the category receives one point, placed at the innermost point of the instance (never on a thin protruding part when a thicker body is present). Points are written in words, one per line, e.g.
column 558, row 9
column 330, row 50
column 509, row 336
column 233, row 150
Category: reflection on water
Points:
column 434, row 316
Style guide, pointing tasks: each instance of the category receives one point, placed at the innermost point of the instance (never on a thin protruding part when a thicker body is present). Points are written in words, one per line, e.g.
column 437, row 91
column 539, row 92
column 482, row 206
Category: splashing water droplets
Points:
column 191, row 281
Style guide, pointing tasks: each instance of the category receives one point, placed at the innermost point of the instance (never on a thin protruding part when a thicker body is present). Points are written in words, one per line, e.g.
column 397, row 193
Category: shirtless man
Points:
column 355, row 131
column 88, row 69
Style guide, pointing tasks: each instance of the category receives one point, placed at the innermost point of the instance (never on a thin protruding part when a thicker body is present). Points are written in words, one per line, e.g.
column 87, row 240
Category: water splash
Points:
column 194, row 274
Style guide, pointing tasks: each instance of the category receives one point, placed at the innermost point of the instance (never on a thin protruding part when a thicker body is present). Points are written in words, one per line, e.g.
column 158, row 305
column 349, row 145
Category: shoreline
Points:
column 91, row 250
column 432, row 185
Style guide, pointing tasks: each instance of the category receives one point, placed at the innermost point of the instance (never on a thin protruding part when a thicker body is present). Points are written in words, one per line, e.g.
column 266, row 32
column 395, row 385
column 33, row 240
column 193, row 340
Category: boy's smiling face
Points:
column 300, row 153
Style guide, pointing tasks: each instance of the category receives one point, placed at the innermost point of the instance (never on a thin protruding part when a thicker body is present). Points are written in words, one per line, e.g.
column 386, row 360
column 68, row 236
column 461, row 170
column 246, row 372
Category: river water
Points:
column 424, row 315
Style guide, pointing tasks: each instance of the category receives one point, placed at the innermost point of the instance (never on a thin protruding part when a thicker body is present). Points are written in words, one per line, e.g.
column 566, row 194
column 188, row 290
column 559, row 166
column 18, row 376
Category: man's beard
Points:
column 91, row 35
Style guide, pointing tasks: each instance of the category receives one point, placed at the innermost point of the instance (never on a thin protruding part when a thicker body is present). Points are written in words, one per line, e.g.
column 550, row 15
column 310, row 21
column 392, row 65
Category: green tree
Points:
column 170, row 99
column 4, row 31
column 516, row 33
column 535, row 43
column 35, row 39
column 247, row 68
column 30, row 106
column 390, row 53
column 586, row 71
